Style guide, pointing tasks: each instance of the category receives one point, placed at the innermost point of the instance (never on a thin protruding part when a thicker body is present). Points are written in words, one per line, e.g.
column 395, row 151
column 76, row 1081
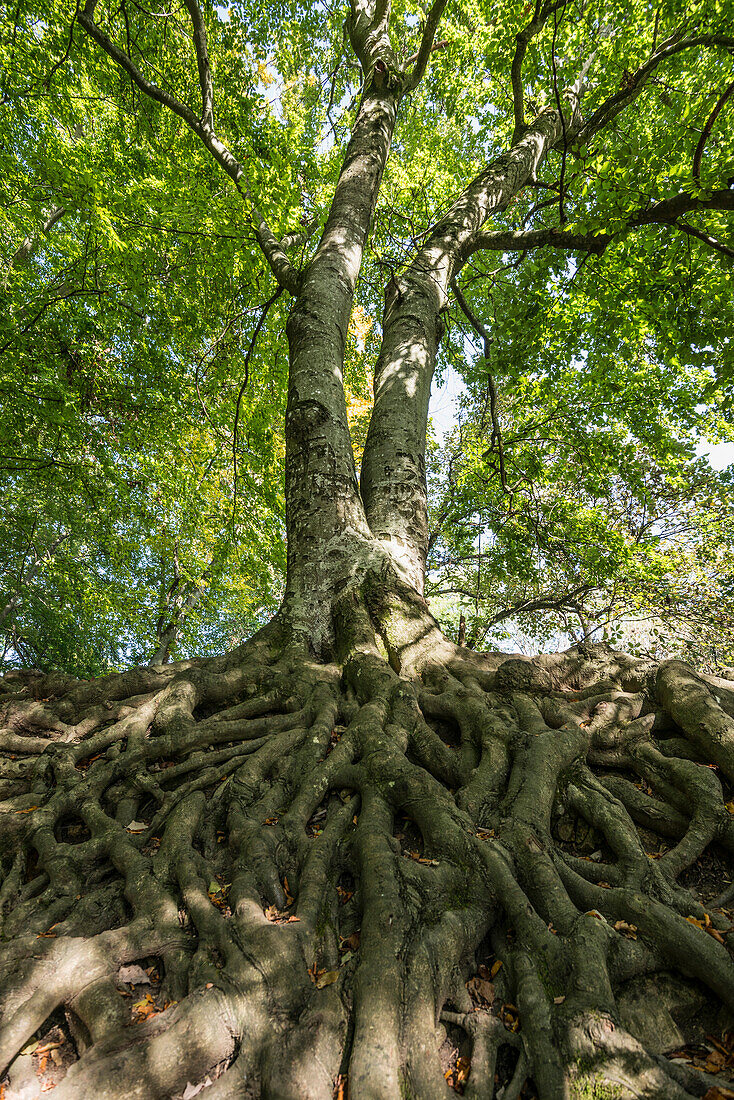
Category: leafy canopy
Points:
column 143, row 378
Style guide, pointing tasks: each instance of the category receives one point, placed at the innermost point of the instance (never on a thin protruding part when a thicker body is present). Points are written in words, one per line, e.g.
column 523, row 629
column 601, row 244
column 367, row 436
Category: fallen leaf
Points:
column 29, row 810
column 496, row 967
column 193, row 1090
column 559, row 1000
column 430, row 862
column 133, row 975
column 715, row 1062
column 136, row 827
column 48, row 1047
column 324, row 978
column 628, row 930
column 456, row 1076
column 340, row 1087
column 481, row 991
column 350, row 943
column 510, row 1017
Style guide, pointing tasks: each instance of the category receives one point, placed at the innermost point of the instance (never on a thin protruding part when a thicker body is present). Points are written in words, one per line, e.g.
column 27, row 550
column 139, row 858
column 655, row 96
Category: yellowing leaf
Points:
column 266, row 77
column 325, row 977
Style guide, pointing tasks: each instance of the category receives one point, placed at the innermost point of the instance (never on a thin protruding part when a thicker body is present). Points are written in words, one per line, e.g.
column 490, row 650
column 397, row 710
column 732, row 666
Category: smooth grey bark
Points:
column 322, row 496
column 393, row 481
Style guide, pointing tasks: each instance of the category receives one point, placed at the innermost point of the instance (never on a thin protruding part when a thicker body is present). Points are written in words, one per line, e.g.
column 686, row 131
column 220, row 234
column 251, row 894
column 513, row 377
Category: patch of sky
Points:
column 719, row 455
column 444, row 402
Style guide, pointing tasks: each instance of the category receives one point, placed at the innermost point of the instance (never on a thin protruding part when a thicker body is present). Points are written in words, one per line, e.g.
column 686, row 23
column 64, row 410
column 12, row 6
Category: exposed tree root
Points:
column 331, row 867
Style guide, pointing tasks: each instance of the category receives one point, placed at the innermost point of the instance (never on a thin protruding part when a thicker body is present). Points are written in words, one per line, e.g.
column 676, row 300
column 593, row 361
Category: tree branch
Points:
column 522, row 41
column 202, row 61
column 280, row 265
column 637, row 81
column 426, row 47
column 666, row 212
column 481, row 331
column 712, row 242
column 697, row 156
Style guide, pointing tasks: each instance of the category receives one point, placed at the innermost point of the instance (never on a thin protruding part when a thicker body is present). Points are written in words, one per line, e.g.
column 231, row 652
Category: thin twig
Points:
column 260, row 321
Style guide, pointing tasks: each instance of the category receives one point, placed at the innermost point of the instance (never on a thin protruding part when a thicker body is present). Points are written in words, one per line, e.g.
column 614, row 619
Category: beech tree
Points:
column 344, row 857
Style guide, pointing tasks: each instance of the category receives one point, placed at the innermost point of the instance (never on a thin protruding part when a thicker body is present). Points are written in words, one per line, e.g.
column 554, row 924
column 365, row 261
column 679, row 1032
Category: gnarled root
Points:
column 278, row 877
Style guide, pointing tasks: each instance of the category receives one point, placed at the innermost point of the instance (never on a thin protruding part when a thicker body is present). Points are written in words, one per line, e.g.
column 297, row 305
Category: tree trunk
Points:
column 351, row 857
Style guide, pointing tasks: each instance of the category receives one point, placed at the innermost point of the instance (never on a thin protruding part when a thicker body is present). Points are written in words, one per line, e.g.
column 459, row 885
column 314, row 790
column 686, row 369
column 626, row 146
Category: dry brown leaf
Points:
column 340, row 1087
column 559, row 1000
column 481, row 991
column 324, row 978
column 628, row 930
column 510, row 1017
column 716, row 934
column 48, row 1047
column 496, row 967
column 418, row 858
column 715, row 1062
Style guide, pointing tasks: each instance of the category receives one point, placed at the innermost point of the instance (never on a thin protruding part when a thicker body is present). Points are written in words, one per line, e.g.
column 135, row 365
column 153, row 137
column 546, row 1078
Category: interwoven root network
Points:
column 336, row 877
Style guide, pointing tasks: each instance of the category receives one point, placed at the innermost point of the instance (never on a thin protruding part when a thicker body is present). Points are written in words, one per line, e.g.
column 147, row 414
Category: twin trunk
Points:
column 331, row 519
